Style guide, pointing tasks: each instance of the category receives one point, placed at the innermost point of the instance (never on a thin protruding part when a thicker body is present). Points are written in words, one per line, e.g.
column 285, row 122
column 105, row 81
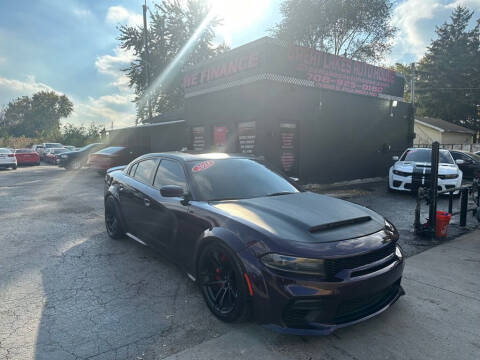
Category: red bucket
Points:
column 443, row 219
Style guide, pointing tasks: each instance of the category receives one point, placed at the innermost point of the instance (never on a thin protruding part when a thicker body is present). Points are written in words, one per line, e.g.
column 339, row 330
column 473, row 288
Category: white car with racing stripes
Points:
column 415, row 165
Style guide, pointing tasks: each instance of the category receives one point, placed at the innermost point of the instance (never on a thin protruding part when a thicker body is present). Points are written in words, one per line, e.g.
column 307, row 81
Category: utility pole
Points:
column 146, row 61
column 412, row 83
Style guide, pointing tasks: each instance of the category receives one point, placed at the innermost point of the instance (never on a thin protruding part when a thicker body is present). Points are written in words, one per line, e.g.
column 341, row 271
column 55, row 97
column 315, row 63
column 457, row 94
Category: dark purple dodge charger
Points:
column 257, row 244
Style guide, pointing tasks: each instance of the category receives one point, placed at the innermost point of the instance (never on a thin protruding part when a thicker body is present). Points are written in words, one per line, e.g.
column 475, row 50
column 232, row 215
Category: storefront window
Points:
column 220, row 134
column 247, row 136
column 198, row 138
column 288, row 148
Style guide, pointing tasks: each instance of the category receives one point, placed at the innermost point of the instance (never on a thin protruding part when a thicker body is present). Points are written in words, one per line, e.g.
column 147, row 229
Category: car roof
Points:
column 192, row 156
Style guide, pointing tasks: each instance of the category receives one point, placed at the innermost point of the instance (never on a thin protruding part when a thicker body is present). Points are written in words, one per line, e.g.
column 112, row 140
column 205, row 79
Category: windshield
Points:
column 111, row 150
column 59, row 151
column 220, row 180
column 425, row 155
column 53, row 145
column 4, row 151
column 88, row 147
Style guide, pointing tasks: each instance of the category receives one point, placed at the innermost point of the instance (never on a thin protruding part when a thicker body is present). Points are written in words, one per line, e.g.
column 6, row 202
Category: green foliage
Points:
column 357, row 29
column 38, row 115
column 448, row 83
column 171, row 25
column 81, row 136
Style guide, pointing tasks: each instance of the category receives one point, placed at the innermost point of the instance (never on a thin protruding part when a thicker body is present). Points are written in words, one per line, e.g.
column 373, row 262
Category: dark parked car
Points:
column 74, row 160
column 471, row 163
column 110, row 157
column 256, row 243
column 52, row 155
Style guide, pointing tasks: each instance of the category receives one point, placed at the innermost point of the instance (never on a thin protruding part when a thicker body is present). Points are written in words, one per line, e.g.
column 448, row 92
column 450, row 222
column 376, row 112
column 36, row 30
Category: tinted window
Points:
column 466, row 157
column 145, row 171
column 59, row 151
column 236, row 179
column 424, row 155
column 53, row 145
column 132, row 169
column 170, row 173
column 111, row 150
column 87, row 147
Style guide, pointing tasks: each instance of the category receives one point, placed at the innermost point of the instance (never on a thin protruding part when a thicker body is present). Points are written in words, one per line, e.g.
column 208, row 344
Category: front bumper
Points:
column 404, row 183
column 305, row 306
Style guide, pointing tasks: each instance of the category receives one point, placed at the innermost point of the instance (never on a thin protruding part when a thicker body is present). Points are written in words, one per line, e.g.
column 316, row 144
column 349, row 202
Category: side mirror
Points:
column 459, row 162
column 171, row 191
column 395, row 158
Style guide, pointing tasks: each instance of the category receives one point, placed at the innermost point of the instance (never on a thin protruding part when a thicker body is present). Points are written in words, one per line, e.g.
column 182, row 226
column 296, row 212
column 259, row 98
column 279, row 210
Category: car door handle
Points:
column 146, row 202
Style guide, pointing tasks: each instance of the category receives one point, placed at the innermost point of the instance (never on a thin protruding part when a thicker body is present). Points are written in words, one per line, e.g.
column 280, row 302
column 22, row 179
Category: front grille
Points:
column 333, row 266
column 301, row 314
column 358, row 308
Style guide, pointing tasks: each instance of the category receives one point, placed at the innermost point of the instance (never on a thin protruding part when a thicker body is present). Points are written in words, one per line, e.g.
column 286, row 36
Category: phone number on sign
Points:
column 341, row 84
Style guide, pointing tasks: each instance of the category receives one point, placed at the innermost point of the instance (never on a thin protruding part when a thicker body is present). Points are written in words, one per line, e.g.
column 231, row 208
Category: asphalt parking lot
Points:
column 69, row 292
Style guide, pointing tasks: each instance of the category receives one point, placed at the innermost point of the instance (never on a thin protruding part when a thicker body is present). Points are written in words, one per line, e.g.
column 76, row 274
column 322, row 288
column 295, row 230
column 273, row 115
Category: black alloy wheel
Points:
column 112, row 221
column 222, row 283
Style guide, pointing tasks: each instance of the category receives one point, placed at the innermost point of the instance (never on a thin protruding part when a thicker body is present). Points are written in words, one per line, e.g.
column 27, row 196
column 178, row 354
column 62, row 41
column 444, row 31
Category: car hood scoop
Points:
column 305, row 216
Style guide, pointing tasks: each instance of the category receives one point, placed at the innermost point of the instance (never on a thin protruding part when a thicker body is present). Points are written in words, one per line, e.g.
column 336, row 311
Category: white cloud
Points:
column 416, row 20
column 112, row 65
column 101, row 110
column 105, row 110
column 118, row 14
column 12, row 88
column 81, row 13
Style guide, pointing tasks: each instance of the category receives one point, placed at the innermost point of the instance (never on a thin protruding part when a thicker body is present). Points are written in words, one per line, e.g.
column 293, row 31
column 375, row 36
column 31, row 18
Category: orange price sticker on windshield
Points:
column 204, row 165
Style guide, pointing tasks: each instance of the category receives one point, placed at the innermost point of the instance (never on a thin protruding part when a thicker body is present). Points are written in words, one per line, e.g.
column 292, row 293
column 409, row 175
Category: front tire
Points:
column 222, row 283
column 112, row 220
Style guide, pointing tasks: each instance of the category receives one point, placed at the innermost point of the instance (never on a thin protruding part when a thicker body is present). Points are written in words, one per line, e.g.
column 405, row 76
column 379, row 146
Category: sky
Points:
column 71, row 46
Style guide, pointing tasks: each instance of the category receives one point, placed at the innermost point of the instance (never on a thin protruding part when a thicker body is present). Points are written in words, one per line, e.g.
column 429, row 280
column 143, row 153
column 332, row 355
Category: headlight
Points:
column 294, row 264
column 398, row 252
column 449, row 176
column 401, row 173
column 391, row 230
column 64, row 156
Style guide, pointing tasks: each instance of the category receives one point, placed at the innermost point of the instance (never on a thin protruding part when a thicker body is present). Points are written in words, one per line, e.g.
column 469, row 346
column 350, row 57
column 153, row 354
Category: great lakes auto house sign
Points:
column 269, row 59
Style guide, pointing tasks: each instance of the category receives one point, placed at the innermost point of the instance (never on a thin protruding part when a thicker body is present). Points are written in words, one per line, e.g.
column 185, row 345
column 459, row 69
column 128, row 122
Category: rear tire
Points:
column 113, row 222
column 222, row 283
column 14, row 167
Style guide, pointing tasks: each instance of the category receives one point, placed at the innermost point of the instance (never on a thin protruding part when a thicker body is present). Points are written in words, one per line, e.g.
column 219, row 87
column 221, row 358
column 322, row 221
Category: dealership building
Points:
column 316, row 116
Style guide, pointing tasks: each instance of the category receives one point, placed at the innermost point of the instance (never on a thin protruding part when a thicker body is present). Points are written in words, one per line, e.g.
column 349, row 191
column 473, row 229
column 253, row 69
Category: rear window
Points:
column 5, row 151
column 111, row 150
column 23, row 151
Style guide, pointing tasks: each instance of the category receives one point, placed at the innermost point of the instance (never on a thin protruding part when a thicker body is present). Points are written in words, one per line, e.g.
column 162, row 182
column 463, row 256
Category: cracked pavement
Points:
column 67, row 291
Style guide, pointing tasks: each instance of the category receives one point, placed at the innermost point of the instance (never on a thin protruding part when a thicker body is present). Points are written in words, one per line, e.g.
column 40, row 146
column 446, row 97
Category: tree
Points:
column 80, row 136
column 171, row 26
column 357, row 29
column 38, row 115
column 449, row 74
